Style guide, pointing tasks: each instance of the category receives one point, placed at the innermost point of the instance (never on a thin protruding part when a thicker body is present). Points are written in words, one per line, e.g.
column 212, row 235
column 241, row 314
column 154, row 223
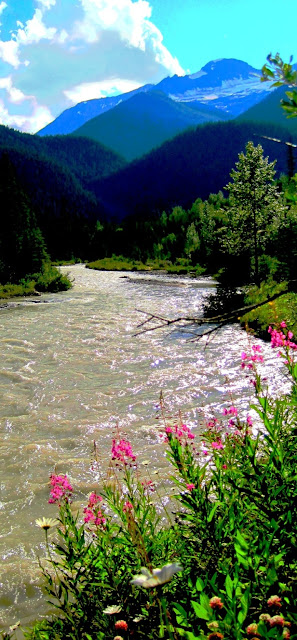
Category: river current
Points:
column 72, row 370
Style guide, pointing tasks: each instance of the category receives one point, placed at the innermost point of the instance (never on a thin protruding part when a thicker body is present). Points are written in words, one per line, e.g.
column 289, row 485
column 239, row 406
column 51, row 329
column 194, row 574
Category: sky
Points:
column 56, row 53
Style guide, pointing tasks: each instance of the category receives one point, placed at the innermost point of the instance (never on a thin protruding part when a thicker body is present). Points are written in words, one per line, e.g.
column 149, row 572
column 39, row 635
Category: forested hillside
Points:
column 193, row 164
column 53, row 172
column 136, row 126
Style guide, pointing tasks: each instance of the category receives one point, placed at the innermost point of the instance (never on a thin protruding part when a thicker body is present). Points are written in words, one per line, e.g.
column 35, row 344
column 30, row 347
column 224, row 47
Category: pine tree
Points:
column 255, row 207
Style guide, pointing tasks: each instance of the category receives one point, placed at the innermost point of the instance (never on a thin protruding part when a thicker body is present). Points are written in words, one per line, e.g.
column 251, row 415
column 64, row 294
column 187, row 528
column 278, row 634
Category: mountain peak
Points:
column 229, row 67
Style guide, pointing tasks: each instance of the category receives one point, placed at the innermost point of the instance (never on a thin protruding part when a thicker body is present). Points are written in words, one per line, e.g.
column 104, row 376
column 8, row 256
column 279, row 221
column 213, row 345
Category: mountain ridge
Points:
column 236, row 83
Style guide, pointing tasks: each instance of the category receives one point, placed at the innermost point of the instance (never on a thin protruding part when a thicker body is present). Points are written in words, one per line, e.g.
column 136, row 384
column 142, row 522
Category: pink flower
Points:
column 92, row 513
column 148, row 485
column 252, row 629
column 60, row 488
column 283, row 325
column 274, row 601
column 122, row 451
column 128, row 506
column 190, row 486
column 217, row 445
column 277, row 621
column 182, row 433
column 216, row 603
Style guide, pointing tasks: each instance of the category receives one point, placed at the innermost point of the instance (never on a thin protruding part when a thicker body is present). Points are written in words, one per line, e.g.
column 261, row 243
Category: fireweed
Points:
column 232, row 528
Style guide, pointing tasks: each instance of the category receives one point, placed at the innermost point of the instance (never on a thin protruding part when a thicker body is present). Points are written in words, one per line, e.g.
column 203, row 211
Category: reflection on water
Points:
column 71, row 369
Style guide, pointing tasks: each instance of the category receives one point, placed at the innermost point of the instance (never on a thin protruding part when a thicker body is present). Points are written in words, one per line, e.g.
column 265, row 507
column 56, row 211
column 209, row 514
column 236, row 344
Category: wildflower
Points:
column 277, row 621
column 217, row 445
column 118, row 638
column 182, row 433
column 248, row 360
column 121, row 624
column 111, row 609
column 213, row 625
column 122, row 451
column 158, row 576
column 128, row 506
column 265, row 617
column 230, row 412
column 60, row 488
column 286, row 633
column 190, row 486
column 216, row 635
column 252, row 629
column 148, row 485
column 46, row 523
column 92, row 513
column 216, row 603
column 274, row 601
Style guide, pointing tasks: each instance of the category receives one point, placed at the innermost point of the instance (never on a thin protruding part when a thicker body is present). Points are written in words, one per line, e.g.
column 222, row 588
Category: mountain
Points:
column 194, row 164
column 136, row 126
column 269, row 111
column 76, row 116
column 229, row 86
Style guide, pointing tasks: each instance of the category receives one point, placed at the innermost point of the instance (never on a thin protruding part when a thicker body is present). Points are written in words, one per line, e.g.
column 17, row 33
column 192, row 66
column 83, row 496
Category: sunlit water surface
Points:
column 71, row 370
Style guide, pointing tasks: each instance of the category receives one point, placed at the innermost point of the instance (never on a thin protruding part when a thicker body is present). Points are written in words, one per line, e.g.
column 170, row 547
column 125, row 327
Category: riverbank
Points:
column 49, row 280
column 119, row 263
column 71, row 370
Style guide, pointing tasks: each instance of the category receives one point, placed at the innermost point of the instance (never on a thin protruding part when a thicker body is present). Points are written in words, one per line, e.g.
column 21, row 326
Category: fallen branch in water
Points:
column 220, row 320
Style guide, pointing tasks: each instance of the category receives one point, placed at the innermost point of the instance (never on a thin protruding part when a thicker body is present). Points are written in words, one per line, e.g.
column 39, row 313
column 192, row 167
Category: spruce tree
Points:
column 255, row 208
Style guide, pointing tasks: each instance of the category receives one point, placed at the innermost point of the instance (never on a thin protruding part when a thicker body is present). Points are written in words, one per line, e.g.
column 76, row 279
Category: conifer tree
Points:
column 256, row 207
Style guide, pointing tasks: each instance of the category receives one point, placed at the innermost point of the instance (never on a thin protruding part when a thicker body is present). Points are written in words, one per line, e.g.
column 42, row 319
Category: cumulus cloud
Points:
column 75, row 50
column 87, row 90
column 3, row 6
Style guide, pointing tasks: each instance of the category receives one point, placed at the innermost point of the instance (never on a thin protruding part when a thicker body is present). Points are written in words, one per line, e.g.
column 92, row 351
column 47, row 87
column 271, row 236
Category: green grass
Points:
column 284, row 307
column 118, row 263
column 49, row 279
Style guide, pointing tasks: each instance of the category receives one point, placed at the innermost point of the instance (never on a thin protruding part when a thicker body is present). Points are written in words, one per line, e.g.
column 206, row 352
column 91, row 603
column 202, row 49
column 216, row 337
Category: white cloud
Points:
column 39, row 117
column 3, row 6
column 15, row 95
column 47, row 4
column 75, row 50
column 89, row 90
column 9, row 52
column 35, row 30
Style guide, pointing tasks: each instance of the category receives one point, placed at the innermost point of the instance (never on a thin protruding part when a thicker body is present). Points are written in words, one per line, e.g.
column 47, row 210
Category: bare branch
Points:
column 219, row 320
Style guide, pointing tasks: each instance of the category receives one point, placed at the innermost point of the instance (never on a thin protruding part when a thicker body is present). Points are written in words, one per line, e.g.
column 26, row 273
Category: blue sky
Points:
column 56, row 53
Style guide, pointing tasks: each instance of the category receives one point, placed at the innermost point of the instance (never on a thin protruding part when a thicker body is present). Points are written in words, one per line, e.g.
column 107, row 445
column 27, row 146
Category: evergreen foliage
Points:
column 255, row 209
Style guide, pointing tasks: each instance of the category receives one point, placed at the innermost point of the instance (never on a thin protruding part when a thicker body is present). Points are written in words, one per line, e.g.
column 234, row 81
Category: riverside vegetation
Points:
column 210, row 556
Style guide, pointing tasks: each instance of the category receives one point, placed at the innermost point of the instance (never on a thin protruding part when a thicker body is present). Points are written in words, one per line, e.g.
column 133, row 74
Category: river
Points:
column 71, row 370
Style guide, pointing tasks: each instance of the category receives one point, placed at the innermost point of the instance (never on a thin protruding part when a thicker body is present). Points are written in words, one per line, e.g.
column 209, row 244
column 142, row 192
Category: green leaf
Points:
column 199, row 584
column 229, row 587
column 200, row 611
column 242, row 541
column 211, row 515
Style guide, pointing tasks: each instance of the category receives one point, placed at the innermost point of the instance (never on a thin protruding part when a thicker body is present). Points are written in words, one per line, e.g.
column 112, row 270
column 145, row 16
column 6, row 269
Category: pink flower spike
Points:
column 190, row 486
column 283, row 325
column 128, row 506
column 217, row 445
